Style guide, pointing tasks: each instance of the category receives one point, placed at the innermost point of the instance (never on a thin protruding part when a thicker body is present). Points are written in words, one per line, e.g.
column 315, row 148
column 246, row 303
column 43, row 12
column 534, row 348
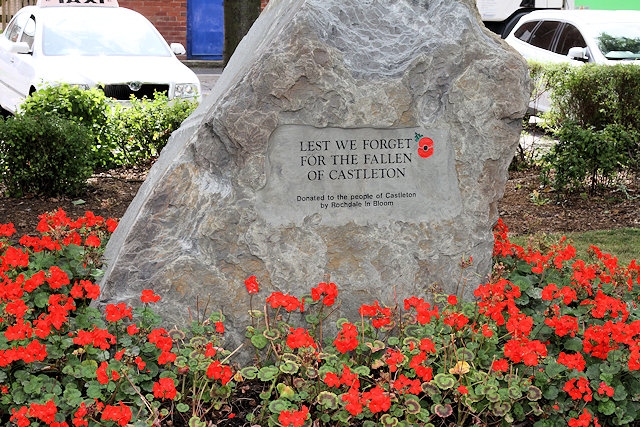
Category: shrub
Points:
column 139, row 131
column 88, row 107
column 588, row 157
column 595, row 116
column 595, row 96
column 45, row 155
column 128, row 135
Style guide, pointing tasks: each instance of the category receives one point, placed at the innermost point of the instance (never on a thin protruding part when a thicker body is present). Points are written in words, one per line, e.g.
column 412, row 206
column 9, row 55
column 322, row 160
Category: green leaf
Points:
column 607, row 408
column 41, row 299
column 94, row 390
column 444, row 381
column 573, row 344
column 620, row 393
column 72, row 395
column 259, row 341
column 551, row 393
column 268, row 373
column 289, row 367
column 328, row 400
column 278, row 406
column 361, row 370
column 553, row 369
column 250, row 372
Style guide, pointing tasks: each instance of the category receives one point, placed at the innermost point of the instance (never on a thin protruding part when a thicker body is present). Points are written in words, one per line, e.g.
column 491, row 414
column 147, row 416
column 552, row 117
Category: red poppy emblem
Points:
column 425, row 146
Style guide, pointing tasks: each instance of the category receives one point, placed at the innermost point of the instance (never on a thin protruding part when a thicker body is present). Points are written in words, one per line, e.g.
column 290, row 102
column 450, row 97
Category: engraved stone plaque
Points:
column 358, row 175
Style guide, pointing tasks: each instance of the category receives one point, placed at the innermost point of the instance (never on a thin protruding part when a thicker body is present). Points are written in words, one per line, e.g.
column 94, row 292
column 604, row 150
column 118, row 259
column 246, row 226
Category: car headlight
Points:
column 186, row 90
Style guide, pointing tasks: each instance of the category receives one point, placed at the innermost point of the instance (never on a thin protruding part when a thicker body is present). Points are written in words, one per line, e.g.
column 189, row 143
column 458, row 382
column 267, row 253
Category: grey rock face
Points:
column 308, row 159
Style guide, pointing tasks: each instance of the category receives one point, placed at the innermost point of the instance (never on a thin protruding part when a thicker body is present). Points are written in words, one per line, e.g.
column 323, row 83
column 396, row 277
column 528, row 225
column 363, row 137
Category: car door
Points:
column 538, row 39
column 16, row 60
column 570, row 36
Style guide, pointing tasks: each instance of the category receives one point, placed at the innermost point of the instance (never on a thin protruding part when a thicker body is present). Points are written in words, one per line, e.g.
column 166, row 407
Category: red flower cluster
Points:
column 161, row 339
column 220, row 372
column 294, row 418
column 252, row 285
column 286, row 301
column 405, row 385
column 424, row 311
column 393, row 358
column 116, row 312
column 347, row 338
column 584, row 420
column 299, row 338
column 578, row 388
column 327, row 291
column 148, row 296
column 165, row 388
column 572, row 361
column 381, row 316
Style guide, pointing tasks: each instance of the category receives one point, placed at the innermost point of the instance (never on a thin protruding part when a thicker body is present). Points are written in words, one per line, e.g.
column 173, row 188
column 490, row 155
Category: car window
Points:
column 100, row 32
column 16, row 26
column 29, row 32
column 543, row 35
column 569, row 37
column 525, row 31
column 619, row 41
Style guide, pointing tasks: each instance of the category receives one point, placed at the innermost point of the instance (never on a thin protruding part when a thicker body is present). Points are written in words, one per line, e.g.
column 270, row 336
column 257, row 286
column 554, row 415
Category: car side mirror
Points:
column 178, row 49
column 579, row 54
column 20, row 47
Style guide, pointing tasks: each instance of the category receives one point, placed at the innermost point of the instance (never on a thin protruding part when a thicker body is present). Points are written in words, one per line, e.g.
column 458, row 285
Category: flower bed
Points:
column 551, row 340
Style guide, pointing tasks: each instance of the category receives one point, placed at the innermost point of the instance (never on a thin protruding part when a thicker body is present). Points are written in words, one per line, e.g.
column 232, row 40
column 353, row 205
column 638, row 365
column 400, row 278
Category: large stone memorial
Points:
column 364, row 140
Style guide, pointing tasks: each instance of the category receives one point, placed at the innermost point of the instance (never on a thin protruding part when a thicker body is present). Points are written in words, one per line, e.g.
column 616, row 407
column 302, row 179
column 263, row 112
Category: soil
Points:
column 527, row 207
column 107, row 194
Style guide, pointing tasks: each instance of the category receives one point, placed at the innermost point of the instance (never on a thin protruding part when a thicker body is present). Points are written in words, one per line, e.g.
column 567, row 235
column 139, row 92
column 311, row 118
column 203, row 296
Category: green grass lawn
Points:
column 623, row 243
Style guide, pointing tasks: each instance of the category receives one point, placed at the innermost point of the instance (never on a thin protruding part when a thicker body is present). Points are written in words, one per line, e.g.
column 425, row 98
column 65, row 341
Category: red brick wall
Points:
column 168, row 16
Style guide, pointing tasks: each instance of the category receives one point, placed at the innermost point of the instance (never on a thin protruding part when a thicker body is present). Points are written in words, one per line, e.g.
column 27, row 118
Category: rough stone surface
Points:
column 215, row 209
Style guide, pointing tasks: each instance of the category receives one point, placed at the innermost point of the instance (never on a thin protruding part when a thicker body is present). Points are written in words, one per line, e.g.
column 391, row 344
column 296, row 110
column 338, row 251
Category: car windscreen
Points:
column 100, row 32
column 618, row 41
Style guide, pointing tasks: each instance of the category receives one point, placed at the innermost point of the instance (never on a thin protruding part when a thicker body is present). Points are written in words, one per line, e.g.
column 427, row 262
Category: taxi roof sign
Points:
column 103, row 3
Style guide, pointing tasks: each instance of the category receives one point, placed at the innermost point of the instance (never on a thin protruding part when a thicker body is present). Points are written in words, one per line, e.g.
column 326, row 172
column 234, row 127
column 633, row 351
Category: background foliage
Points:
column 62, row 134
column 44, row 154
column 595, row 117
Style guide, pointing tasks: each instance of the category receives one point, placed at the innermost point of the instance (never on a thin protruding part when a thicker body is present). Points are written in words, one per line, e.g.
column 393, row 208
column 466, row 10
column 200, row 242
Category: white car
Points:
column 600, row 36
column 89, row 43
column 577, row 37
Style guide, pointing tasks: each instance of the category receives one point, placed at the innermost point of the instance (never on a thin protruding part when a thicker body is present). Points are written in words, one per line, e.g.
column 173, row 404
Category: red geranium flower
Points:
column 298, row 338
column 121, row 414
column 294, row 418
column 164, row 388
column 44, row 412
column 218, row 371
column 347, row 338
column 252, row 285
column 148, row 296
column 329, row 290
column 118, row 312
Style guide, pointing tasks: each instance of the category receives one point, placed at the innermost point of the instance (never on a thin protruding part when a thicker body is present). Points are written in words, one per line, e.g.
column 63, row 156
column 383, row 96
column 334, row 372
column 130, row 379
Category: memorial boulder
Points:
column 363, row 140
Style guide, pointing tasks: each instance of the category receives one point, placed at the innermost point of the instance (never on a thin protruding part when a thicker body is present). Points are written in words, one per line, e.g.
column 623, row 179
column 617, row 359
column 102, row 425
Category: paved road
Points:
column 208, row 78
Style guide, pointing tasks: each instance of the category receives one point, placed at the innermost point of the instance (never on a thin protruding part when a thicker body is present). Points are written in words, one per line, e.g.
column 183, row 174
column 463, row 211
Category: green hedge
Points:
column 45, row 155
column 63, row 133
column 595, row 116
